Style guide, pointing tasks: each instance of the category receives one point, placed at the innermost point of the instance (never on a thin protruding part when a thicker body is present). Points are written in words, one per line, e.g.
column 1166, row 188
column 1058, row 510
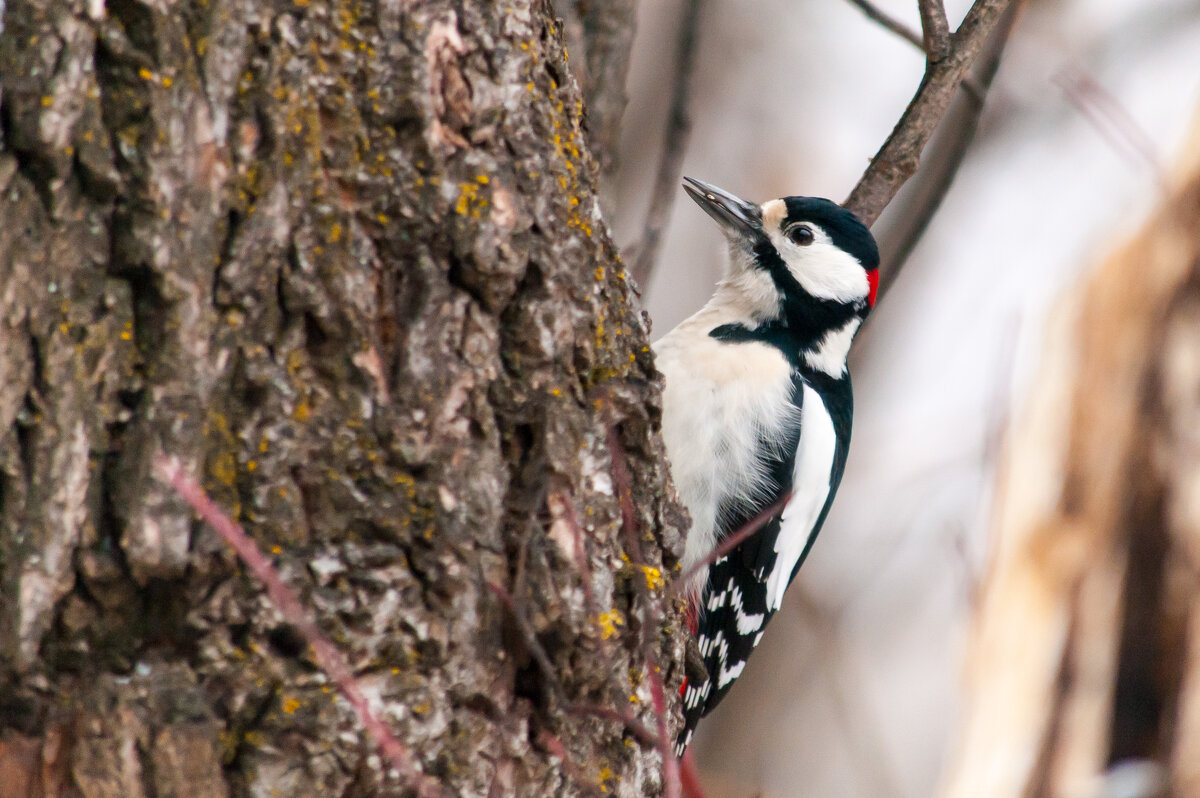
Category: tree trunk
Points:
column 344, row 262
column 1085, row 668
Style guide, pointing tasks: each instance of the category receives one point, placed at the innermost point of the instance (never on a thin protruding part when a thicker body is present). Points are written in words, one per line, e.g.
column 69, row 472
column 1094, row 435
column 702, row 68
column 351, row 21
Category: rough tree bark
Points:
column 345, row 262
column 1085, row 669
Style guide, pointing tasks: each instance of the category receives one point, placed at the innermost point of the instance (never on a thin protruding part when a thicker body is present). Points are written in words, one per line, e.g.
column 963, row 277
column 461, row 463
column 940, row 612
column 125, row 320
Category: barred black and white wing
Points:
column 745, row 588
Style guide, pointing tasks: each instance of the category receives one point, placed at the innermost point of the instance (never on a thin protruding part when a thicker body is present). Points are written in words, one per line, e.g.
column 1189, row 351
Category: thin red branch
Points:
column 733, row 541
column 557, row 749
column 621, row 482
column 639, row 730
column 620, row 475
column 566, row 511
column 289, row 606
column 659, row 697
column 688, row 776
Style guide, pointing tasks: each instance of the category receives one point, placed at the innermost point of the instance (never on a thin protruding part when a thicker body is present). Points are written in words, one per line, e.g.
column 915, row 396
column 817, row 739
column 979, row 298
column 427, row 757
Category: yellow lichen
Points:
column 609, row 621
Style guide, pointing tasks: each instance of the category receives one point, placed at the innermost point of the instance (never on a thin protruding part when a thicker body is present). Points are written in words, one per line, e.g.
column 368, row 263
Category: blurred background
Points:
column 856, row 688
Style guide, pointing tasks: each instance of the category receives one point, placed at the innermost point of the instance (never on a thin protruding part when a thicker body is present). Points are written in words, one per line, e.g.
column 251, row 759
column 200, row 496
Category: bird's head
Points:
column 809, row 250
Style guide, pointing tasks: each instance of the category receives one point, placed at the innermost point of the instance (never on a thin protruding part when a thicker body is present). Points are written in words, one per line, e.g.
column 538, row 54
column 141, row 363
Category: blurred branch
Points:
column 600, row 36
column 1111, row 120
column 936, row 29
column 877, row 14
column 948, row 148
column 899, row 157
column 675, row 140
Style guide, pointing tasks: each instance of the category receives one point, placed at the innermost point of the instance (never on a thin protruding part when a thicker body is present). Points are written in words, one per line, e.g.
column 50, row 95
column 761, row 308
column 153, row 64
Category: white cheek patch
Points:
column 821, row 268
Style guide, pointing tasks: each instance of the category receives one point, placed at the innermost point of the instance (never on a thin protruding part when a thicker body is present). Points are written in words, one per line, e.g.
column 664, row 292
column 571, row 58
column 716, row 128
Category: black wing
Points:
column 733, row 609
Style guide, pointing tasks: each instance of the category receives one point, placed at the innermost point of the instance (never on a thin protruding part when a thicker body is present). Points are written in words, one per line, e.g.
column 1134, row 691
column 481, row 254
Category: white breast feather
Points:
column 722, row 402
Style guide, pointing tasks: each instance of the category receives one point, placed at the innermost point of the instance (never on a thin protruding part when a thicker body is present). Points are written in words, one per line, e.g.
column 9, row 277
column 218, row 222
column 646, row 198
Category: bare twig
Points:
column 289, row 606
column 600, row 36
column 688, row 776
column 877, row 14
column 949, row 148
column 913, row 37
column 1112, row 120
column 653, row 605
column 639, row 730
column 557, row 749
column 675, row 141
column 899, row 157
column 936, row 29
column 659, row 697
column 531, row 642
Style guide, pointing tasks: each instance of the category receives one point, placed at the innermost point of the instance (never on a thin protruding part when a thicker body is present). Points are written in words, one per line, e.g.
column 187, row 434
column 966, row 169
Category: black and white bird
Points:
column 757, row 405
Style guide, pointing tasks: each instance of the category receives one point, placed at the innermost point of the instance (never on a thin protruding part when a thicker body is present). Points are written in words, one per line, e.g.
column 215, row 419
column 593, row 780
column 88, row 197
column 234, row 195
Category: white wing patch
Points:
column 810, row 488
column 728, row 674
column 745, row 623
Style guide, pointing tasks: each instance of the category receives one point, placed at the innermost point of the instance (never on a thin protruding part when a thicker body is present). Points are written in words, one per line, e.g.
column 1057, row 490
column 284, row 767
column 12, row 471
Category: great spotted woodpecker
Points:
column 757, row 405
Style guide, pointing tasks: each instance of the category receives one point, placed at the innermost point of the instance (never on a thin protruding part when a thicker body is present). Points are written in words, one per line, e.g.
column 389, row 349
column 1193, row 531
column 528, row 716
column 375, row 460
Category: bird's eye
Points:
column 801, row 235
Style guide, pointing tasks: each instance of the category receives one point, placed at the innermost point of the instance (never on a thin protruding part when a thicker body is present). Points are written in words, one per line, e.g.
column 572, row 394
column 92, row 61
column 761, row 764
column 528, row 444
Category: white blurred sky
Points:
column 855, row 687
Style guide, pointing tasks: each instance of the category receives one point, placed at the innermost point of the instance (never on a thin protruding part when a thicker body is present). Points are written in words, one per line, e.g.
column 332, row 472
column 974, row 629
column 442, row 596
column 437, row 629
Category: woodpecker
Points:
column 756, row 406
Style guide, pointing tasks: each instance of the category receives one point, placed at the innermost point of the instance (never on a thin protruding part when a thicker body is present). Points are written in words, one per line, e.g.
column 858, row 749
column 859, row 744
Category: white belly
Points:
column 721, row 401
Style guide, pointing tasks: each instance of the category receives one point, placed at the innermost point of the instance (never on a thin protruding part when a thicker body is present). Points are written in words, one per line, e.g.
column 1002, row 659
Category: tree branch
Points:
column 675, row 141
column 877, row 14
column 936, row 29
column 899, row 157
column 949, row 147
column 601, row 42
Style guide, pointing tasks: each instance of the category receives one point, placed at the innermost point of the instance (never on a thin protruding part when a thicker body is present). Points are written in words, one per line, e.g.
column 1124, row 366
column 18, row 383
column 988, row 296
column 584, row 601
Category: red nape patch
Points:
column 683, row 687
column 873, row 282
column 692, row 616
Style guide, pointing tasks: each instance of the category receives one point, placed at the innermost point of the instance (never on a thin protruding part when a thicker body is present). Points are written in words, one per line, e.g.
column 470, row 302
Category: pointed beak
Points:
column 736, row 216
